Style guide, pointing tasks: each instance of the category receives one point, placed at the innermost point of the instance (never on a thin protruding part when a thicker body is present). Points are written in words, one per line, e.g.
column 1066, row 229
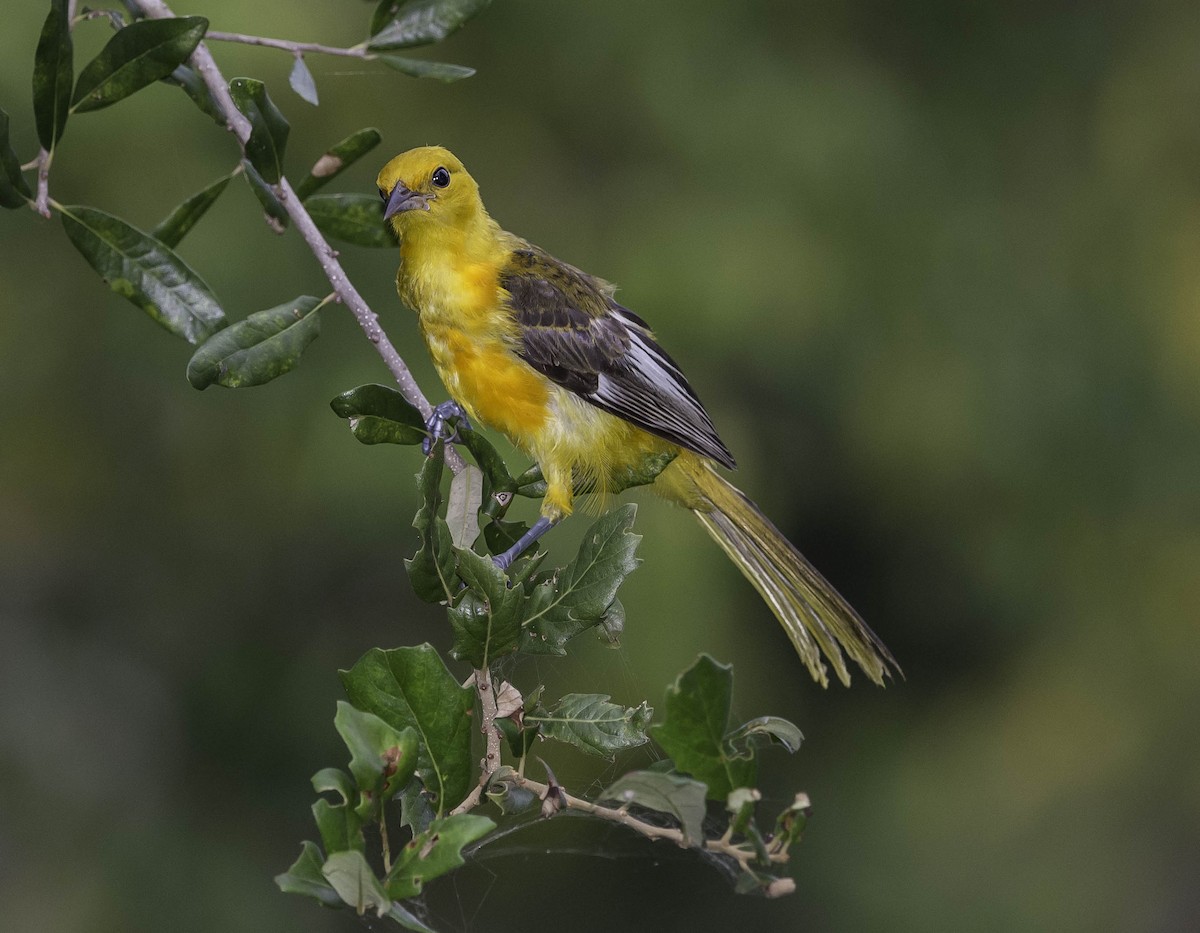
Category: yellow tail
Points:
column 813, row 614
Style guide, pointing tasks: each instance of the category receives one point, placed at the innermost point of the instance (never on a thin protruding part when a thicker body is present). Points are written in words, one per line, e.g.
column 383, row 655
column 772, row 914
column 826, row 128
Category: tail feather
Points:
column 816, row 618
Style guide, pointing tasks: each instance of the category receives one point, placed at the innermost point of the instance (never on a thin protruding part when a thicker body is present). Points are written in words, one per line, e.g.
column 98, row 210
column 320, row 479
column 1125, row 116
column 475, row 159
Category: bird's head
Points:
column 427, row 185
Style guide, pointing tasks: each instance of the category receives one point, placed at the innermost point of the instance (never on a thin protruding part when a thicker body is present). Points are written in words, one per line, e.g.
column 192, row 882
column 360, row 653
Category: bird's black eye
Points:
column 441, row 178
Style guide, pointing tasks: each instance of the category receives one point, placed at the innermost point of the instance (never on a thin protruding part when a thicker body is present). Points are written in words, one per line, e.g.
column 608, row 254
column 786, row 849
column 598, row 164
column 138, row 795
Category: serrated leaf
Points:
column 462, row 509
column 53, row 73
column 487, row 619
column 305, row 877
column 380, row 415
column 140, row 268
column 434, row 852
column 337, row 160
column 771, row 728
column 340, row 827
column 355, row 882
column 353, row 218
column 336, row 780
column 593, row 724
column 138, row 55
column 431, row 571
column 420, row 68
column 382, row 759
column 423, row 22
column 301, row 81
column 14, row 190
column 263, row 347
column 268, row 127
column 677, row 796
column 581, row 595
column 177, row 224
column 195, row 88
column 276, row 213
column 411, row 688
column 693, row 732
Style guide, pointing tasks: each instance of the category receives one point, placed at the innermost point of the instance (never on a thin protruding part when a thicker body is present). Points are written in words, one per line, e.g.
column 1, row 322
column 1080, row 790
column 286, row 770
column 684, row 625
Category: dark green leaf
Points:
column 195, row 88
column 305, row 877
column 339, row 825
column 394, row 419
column 693, row 733
column 419, row 68
column 302, row 82
column 487, row 620
column 495, row 471
column 432, row 569
column 585, row 589
column 336, row 780
column 789, row 826
column 416, row 811
column 355, row 883
column 14, row 190
column 268, row 128
column 772, row 728
column 383, row 15
column 593, row 724
column 137, row 56
column 500, row 535
column 176, row 225
column 337, row 160
column 53, row 72
column 411, row 688
column 263, row 347
column 677, row 796
column 277, row 216
column 435, row 852
column 138, row 267
column 382, row 759
column 354, row 218
column 504, row 791
column 423, row 22
column 462, row 509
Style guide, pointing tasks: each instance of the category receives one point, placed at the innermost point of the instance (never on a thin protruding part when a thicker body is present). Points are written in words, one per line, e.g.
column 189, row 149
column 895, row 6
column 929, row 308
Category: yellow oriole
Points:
column 540, row 351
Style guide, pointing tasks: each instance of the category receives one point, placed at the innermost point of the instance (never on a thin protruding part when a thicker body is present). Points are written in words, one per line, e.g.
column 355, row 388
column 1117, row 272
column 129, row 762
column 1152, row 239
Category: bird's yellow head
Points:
column 427, row 185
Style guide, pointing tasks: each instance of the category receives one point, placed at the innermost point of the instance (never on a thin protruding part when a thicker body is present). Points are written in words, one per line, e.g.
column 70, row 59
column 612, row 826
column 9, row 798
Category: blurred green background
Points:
column 934, row 267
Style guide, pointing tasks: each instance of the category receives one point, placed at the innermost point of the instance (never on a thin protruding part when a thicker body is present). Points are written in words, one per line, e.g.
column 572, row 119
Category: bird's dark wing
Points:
column 572, row 332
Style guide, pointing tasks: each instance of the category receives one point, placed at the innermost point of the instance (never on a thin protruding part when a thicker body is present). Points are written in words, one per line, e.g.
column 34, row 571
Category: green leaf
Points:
column 462, row 509
column 276, row 213
column 383, row 15
column 416, row 812
column 301, row 81
column 423, row 22
column 382, row 759
column 177, row 224
column 336, row 780
column 411, row 688
column 305, row 877
column 677, row 796
column 355, row 883
column 487, row 620
column 138, row 267
column 790, row 824
column 337, row 160
column 353, row 218
column 592, row 724
column 586, row 588
column 504, row 791
column 195, row 88
column 263, row 347
column 14, row 190
column 419, row 68
column 434, row 853
column 380, row 415
column 137, row 56
column 268, row 128
column 693, row 733
column 772, row 728
column 339, row 825
column 53, row 72
column 431, row 571
column 495, row 472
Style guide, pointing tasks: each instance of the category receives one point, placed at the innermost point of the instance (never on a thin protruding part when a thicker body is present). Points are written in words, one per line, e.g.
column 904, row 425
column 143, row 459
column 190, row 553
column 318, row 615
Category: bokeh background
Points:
column 935, row 269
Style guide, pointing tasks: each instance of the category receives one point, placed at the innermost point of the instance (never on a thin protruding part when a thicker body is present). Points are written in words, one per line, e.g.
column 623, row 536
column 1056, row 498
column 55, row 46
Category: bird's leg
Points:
column 436, row 424
column 540, row 527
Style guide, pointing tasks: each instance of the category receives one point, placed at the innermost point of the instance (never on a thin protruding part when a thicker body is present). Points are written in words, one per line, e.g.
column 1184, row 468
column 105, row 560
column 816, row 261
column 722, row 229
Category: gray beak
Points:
column 401, row 199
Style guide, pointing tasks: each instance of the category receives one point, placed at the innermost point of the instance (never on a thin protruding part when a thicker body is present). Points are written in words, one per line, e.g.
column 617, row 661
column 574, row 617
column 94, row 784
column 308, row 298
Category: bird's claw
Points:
column 438, row 424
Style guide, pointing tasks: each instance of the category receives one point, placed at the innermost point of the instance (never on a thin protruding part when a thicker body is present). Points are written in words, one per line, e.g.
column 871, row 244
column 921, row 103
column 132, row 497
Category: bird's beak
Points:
column 401, row 199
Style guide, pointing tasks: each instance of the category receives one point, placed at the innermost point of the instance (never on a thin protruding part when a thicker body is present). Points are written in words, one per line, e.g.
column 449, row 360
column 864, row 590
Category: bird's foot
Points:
column 540, row 527
column 438, row 424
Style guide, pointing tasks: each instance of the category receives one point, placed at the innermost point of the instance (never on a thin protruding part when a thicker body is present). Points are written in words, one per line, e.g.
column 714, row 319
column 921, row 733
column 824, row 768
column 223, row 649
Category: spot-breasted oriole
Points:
column 542, row 352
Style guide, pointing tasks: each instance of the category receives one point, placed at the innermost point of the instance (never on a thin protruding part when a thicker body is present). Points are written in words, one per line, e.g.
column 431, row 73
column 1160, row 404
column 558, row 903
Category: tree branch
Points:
column 41, row 203
column 356, row 51
column 485, row 691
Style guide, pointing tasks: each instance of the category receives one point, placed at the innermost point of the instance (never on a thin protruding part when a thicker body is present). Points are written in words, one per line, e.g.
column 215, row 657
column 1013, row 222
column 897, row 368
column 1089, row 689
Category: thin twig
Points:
column 356, row 51
column 42, row 203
